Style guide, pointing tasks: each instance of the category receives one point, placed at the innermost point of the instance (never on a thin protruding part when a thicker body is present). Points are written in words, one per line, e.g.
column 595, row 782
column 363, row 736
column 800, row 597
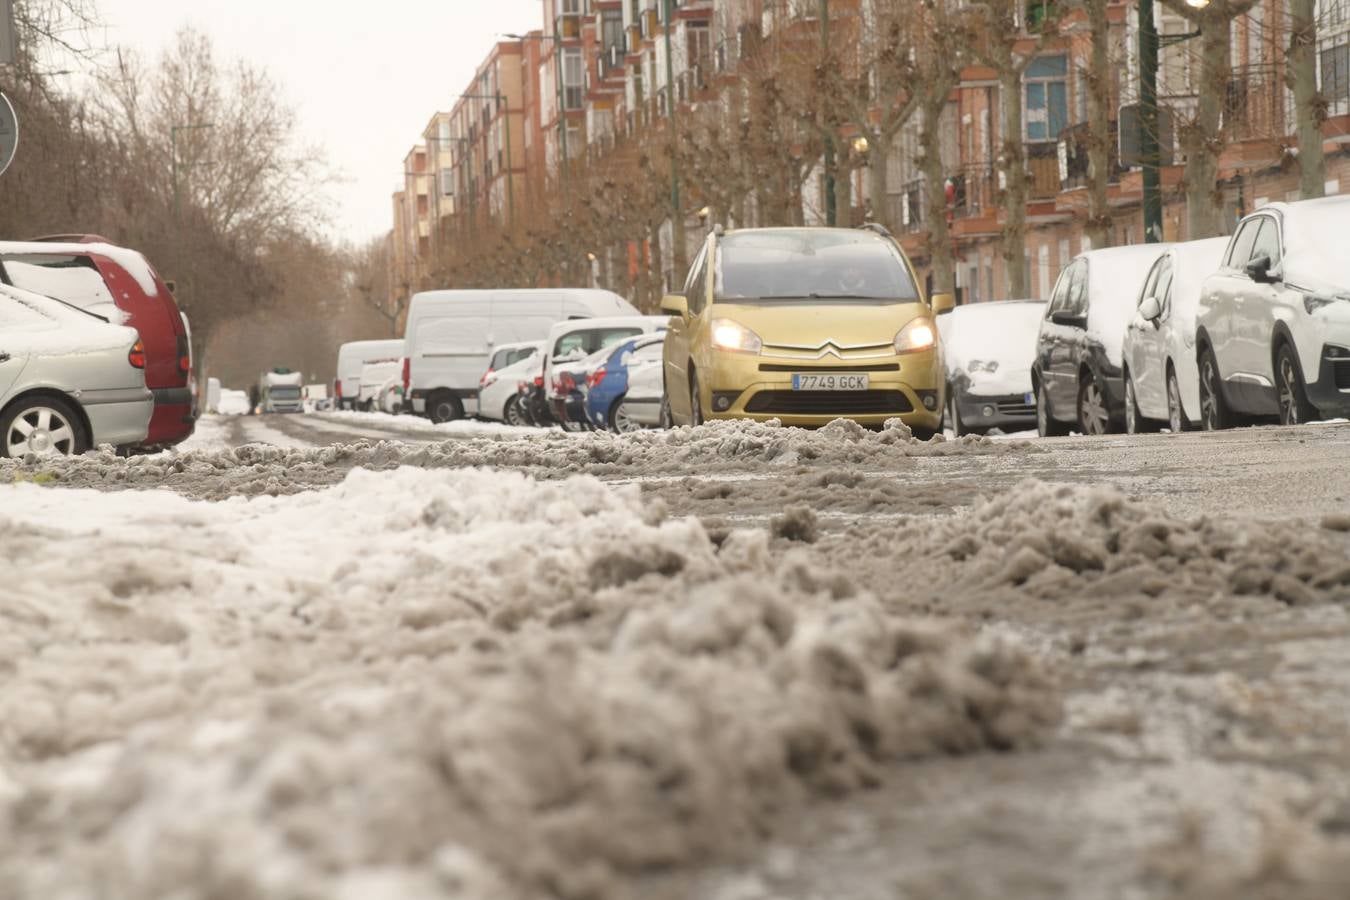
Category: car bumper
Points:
column 1004, row 411
column 907, row 387
column 118, row 417
column 1331, row 392
column 172, row 423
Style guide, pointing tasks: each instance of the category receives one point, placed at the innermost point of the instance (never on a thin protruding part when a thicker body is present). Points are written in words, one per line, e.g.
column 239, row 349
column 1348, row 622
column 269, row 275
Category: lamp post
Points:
column 173, row 161
column 500, row 100
column 831, row 211
column 1150, row 154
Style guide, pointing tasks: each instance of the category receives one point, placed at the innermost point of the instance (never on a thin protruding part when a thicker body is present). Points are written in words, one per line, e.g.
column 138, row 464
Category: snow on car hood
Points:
column 296, row 695
column 1000, row 334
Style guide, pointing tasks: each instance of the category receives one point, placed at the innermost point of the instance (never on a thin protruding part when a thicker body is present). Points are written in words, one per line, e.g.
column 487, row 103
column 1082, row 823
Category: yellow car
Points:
column 805, row 325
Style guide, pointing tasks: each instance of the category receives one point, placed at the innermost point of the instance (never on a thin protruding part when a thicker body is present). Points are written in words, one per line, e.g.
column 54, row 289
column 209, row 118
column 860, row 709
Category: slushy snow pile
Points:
column 716, row 447
column 422, row 684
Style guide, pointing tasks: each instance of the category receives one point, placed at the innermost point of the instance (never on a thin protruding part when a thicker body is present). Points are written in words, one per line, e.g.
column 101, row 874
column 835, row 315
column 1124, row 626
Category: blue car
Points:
column 607, row 384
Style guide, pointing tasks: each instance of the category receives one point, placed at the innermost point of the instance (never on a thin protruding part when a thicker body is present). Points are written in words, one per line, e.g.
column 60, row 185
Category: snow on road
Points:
column 662, row 665
column 370, row 691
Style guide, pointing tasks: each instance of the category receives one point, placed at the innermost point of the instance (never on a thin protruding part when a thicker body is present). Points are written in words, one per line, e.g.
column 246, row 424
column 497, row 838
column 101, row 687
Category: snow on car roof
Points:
column 1115, row 276
column 1003, row 331
column 131, row 260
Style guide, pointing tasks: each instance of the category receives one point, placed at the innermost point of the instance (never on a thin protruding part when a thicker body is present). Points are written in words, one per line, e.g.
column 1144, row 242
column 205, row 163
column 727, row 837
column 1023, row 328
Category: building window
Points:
column 573, row 78
column 447, row 182
column 1046, row 87
column 1336, row 73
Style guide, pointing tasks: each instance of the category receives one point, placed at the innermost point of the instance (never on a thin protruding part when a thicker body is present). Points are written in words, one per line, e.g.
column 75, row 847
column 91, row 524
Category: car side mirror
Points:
column 1068, row 319
column 675, row 305
column 943, row 303
column 1258, row 270
column 1150, row 310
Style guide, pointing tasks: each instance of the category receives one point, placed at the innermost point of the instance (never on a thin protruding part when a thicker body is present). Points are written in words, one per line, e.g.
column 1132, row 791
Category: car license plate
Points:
column 829, row 382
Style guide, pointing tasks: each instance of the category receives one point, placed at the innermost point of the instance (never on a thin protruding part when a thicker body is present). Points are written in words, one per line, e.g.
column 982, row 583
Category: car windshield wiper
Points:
column 816, row 295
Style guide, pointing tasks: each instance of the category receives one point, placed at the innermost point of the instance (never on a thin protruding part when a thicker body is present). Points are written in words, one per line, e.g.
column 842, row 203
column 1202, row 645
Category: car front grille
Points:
column 828, row 403
column 1340, row 371
column 1017, row 408
column 876, row 367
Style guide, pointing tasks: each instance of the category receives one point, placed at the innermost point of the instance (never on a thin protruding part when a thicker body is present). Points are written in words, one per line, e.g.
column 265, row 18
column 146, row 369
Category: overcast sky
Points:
column 365, row 83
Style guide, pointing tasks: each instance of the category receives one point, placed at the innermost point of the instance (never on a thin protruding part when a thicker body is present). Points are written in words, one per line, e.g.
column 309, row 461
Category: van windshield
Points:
column 811, row 265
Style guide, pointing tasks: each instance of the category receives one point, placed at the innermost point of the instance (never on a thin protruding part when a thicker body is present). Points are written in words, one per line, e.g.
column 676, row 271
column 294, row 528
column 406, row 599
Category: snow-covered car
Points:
column 1273, row 327
column 987, row 352
column 233, row 403
column 381, row 386
column 1162, row 381
column 352, row 357
column 499, row 389
column 1077, row 373
column 69, row 379
column 607, row 387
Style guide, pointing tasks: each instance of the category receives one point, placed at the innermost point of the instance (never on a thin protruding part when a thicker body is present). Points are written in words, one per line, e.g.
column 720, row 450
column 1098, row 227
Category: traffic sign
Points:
column 9, row 133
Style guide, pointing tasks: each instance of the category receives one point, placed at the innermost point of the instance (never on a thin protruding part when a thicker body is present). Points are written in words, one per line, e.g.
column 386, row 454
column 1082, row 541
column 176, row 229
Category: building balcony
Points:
column 905, row 209
column 1074, row 146
column 1043, row 170
column 611, row 63
column 1254, row 104
column 692, row 82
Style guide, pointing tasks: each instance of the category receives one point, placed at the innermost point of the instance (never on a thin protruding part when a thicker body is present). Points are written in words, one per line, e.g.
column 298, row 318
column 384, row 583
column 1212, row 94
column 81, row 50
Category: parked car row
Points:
column 93, row 350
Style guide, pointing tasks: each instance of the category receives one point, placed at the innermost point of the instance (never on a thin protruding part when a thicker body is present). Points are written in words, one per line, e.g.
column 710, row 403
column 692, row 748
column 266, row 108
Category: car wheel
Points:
column 512, row 414
column 1176, row 413
column 1046, row 425
column 44, row 426
column 1093, row 418
column 695, row 404
column 1294, row 406
column 1214, row 414
column 954, row 415
column 443, row 407
column 619, row 420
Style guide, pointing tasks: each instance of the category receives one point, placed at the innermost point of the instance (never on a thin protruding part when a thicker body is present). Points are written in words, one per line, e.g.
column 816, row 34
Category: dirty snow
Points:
column 367, row 691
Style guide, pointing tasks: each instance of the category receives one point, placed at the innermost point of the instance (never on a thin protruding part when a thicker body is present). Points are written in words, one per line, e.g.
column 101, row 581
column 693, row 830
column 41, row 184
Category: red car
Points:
column 120, row 284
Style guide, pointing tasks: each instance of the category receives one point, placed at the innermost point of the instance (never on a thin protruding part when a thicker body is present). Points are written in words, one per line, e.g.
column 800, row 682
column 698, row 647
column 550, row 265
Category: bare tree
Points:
column 1100, row 77
column 1310, row 107
column 1008, row 43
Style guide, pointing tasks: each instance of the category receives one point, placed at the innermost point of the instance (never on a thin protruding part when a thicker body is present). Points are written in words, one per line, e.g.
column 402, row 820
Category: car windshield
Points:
column 510, row 356
column 1315, row 255
column 285, row 392
column 581, row 344
column 811, row 264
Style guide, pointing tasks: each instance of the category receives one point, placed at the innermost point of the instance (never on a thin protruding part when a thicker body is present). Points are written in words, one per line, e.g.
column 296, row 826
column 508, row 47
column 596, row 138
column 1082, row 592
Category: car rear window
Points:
column 73, row 279
column 579, row 344
column 17, row 315
column 510, row 356
column 811, row 264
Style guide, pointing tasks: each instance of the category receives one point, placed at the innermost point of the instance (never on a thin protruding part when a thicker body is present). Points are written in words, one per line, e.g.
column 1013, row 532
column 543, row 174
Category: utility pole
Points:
column 1150, row 157
column 677, row 237
column 831, row 213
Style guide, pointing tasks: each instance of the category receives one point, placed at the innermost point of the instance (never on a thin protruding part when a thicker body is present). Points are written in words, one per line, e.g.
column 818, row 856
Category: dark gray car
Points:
column 69, row 380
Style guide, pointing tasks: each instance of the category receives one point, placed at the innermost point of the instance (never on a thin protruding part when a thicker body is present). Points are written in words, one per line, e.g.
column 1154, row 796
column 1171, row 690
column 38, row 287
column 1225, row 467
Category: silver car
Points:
column 69, row 380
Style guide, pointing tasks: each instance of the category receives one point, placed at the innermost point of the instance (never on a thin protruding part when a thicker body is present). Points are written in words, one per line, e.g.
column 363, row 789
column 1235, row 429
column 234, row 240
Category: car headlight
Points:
column 918, row 335
column 1313, row 302
column 729, row 335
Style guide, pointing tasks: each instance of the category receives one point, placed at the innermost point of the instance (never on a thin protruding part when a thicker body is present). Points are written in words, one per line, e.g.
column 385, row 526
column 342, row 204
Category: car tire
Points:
column 1214, row 412
column 1046, row 424
column 696, row 417
column 444, row 406
column 1176, row 412
column 1094, row 418
column 512, row 413
column 1295, row 409
column 50, row 421
column 954, row 415
column 1135, row 423
column 619, row 421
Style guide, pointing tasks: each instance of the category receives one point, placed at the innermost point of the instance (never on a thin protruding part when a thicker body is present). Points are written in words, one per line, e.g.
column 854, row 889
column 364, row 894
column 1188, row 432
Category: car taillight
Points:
column 407, row 375
column 539, row 381
column 136, row 356
column 184, row 355
column 337, row 388
column 595, row 377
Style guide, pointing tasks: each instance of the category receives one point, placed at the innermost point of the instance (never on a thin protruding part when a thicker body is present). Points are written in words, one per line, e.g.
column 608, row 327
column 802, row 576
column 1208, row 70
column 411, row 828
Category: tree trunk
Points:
column 843, row 194
column 878, row 161
column 1309, row 107
column 1013, row 165
column 1098, row 224
column 935, row 194
column 1201, row 138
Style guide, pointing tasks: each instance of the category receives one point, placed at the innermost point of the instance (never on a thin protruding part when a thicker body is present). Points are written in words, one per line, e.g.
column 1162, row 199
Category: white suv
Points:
column 1273, row 327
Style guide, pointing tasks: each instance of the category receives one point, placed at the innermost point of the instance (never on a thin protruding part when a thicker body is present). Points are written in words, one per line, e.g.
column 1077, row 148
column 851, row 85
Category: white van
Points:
column 353, row 356
column 451, row 336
